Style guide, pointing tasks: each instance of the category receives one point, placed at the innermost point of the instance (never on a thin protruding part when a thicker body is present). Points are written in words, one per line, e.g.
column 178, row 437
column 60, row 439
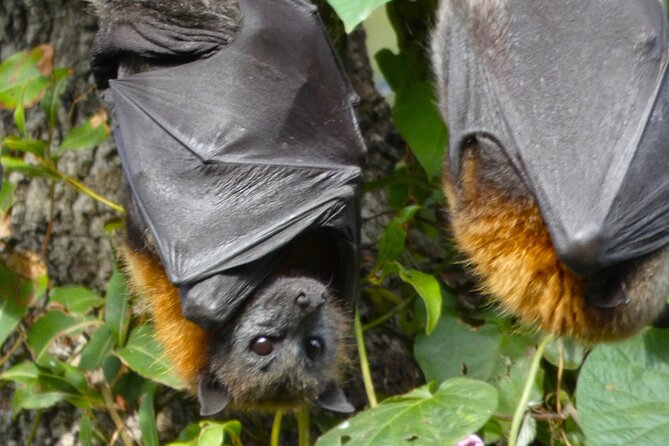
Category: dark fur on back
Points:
column 219, row 15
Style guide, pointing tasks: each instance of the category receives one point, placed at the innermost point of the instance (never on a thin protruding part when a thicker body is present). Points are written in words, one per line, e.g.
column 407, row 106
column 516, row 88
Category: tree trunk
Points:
column 78, row 250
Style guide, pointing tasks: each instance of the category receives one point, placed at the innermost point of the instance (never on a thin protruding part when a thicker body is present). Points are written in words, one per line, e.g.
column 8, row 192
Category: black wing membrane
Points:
column 594, row 148
column 231, row 157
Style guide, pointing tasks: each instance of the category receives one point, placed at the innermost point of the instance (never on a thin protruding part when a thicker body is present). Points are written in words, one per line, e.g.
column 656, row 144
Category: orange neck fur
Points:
column 185, row 343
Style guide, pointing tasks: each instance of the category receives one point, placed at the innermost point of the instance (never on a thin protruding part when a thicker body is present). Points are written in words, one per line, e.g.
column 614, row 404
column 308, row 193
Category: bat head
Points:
column 555, row 113
column 286, row 349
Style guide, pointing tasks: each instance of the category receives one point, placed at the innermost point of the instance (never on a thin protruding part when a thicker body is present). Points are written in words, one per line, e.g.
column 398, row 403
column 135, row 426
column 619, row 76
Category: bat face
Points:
column 554, row 112
column 286, row 348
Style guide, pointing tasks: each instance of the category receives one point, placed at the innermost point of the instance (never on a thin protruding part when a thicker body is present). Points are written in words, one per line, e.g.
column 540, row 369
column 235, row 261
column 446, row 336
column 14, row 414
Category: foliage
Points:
column 426, row 415
column 43, row 319
column 486, row 376
column 622, row 391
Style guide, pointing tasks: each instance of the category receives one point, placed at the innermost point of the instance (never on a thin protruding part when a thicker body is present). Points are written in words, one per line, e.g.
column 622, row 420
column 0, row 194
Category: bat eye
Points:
column 262, row 346
column 314, row 347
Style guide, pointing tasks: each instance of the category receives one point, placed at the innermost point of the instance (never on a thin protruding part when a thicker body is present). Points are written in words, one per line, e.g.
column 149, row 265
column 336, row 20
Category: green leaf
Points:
column 510, row 386
column 51, row 326
column 96, row 349
column 23, row 373
column 76, row 299
column 117, row 308
column 24, row 145
column 481, row 352
column 144, row 355
column 573, row 353
column 20, row 116
column 16, row 294
column 147, row 420
column 188, row 434
column 32, row 91
column 60, row 380
column 456, row 409
column 11, row 164
column 86, row 136
column 25, row 74
column 207, row 432
column 111, row 366
column 429, row 290
column 418, row 120
column 233, row 430
column 393, row 238
column 353, row 12
column 6, row 196
column 131, row 387
column 51, row 102
column 210, row 435
column 415, row 112
column 69, row 374
column 20, row 68
column 115, row 224
column 69, row 382
column 26, row 398
column 622, row 393
column 528, row 431
column 51, row 382
column 393, row 68
column 85, row 431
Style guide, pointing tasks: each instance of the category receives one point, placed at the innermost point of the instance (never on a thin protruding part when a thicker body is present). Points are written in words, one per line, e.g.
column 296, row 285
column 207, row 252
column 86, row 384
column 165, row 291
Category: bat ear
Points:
column 212, row 395
column 333, row 398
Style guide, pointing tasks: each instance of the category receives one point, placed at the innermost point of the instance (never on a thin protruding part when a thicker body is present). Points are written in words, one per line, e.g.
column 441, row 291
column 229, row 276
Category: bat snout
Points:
column 604, row 285
column 309, row 298
column 581, row 252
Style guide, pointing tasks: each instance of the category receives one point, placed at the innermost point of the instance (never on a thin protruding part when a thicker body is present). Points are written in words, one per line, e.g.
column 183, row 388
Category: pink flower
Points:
column 472, row 440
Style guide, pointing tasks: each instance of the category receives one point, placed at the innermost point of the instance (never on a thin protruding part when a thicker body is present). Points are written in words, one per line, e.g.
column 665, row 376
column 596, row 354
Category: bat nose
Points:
column 307, row 298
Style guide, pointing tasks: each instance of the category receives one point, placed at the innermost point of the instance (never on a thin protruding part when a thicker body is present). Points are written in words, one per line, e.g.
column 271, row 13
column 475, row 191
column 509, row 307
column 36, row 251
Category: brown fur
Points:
column 510, row 249
column 185, row 343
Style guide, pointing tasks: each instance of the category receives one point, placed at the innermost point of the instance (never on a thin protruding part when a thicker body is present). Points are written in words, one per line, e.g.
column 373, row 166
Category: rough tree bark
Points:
column 79, row 251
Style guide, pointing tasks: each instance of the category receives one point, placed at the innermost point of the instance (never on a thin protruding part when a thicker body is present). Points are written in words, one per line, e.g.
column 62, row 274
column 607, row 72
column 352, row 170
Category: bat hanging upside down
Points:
column 237, row 134
column 558, row 168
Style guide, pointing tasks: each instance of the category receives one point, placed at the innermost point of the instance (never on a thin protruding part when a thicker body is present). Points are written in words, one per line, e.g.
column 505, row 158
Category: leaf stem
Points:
column 91, row 193
column 364, row 363
column 33, row 430
column 15, row 346
column 118, row 422
column 525, row 396
column 560, row 371
column 49, row 227
column 401, row 306
column 276, row 428
column 304, row 426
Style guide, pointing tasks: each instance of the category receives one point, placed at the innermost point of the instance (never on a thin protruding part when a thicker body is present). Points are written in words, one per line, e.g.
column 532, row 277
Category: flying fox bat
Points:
column 239, row 144
column 557, row 176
